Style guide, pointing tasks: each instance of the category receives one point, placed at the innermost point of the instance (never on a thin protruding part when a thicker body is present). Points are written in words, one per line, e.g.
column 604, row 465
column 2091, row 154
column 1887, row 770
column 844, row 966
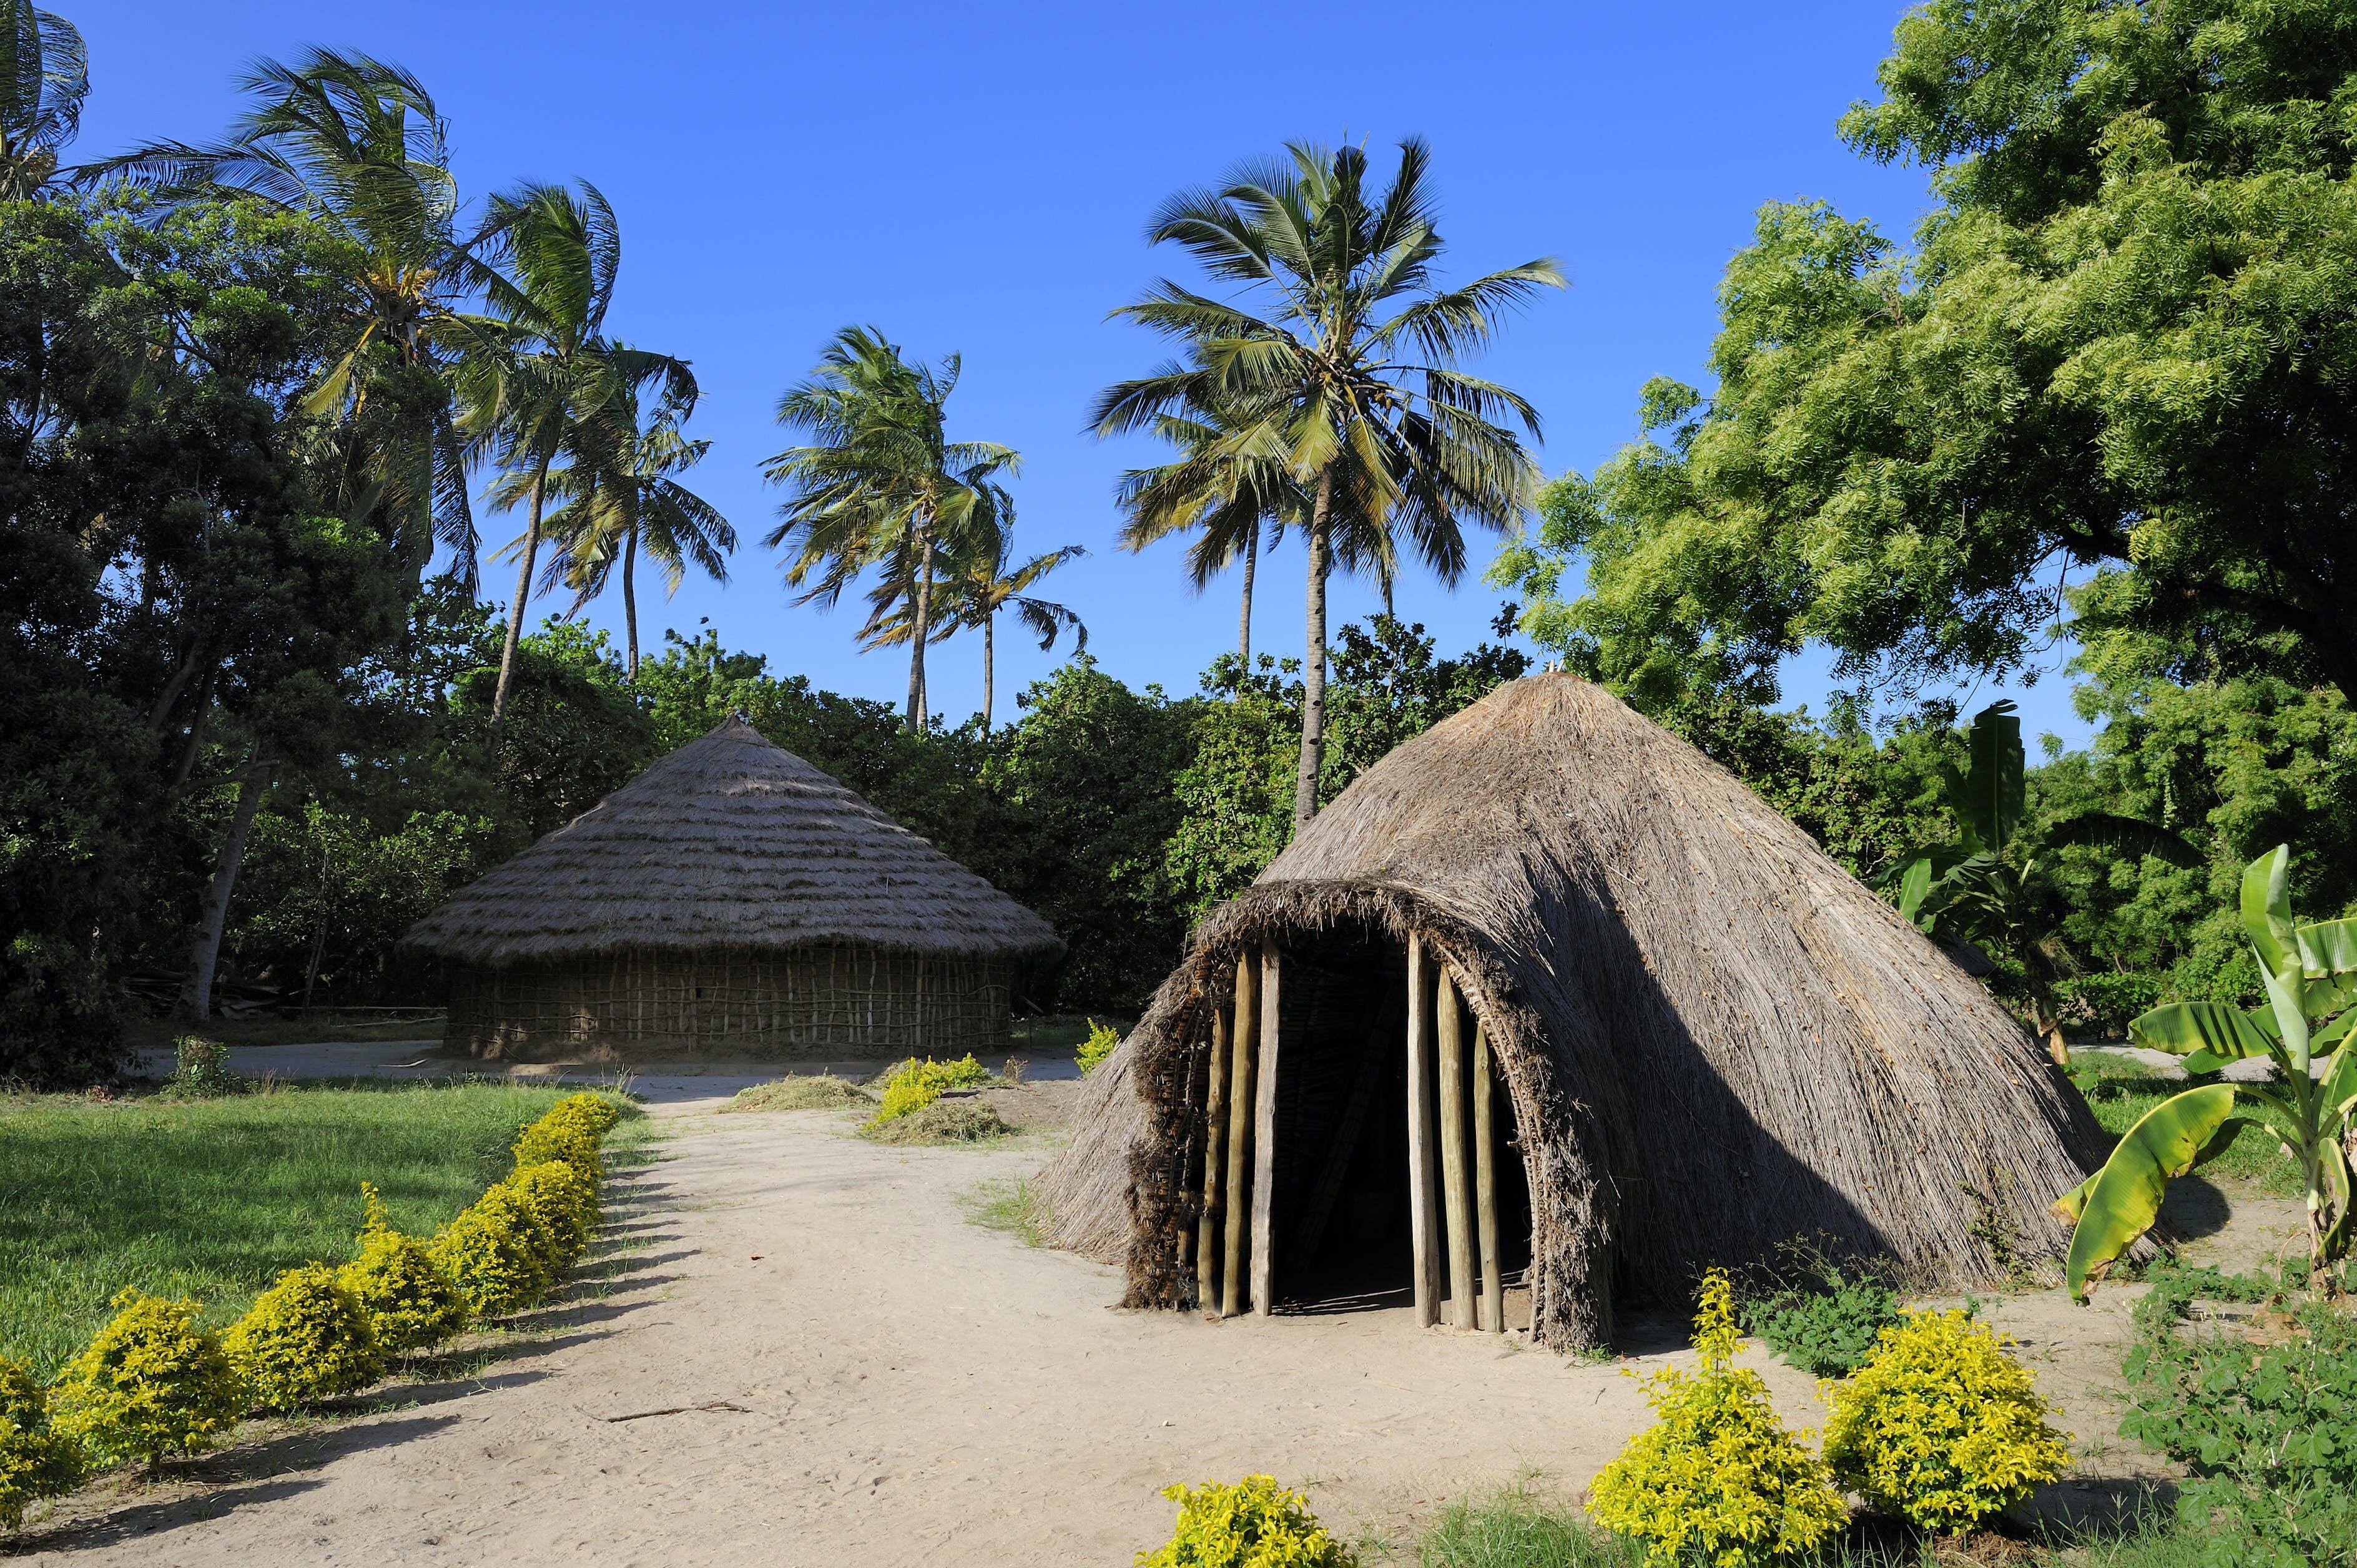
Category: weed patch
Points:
column 806, row 1092
column 942, row 1121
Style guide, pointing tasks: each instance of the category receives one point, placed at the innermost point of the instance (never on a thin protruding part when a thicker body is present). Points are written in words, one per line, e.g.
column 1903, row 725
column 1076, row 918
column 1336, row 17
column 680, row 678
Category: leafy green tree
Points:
column 882, row 485
column 44, row 77
column 355, row 144
column 1347, row 369
column 560, row 385
column 2123, row 339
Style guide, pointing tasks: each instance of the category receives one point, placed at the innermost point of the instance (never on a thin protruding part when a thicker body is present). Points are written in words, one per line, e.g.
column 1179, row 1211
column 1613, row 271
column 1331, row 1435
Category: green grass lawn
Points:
column 211, row 1198
column 2127, row 1090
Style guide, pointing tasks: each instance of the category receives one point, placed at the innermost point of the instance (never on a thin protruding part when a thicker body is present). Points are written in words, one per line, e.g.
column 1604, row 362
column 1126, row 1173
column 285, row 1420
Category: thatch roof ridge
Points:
column 730, row 842
column 1716, row 1039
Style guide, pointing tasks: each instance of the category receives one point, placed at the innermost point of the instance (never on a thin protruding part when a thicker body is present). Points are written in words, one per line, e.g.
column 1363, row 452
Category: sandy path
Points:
column 890, row 1383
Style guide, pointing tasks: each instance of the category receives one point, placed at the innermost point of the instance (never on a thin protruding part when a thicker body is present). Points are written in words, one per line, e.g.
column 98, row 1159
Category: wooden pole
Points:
column 1240, row 1115
column 1485, row 1171
column 1207, row 1237
column 1422, row 1219
column 1448, row 1020
column 1264, row 1197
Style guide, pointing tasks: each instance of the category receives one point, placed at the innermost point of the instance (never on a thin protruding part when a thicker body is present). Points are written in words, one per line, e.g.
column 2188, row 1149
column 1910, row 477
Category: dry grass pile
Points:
column 808, row 1092
column 961, row 1119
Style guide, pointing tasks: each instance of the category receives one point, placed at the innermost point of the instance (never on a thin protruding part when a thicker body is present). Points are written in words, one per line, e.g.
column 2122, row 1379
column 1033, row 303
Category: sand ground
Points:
column 796, row 1348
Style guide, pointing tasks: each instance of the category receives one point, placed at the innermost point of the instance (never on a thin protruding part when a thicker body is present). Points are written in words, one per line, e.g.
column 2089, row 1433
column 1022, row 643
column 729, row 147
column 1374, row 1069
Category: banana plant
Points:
column 1965, row 889
column 2310, row 973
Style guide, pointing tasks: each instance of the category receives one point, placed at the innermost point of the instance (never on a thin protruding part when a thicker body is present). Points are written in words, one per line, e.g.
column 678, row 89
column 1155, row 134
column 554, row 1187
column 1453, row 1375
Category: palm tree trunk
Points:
column 920, row 629
column 524, row 592
column 204, row 953
column 1313, row 671
column 1243, row 616
column 989, row 676
column 631, row 599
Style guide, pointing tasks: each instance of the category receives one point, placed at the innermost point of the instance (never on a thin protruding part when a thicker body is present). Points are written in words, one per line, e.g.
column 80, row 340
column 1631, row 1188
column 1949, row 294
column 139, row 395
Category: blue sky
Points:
column 976, row 178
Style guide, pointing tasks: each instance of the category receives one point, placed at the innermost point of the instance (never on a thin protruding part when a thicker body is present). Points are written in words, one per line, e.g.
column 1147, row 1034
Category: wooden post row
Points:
column 1423, row 1221
column 1456, row 1188
column 1208, row 1236
column 1485, row 1166
column 1263, row 1194
column 1241, row 1107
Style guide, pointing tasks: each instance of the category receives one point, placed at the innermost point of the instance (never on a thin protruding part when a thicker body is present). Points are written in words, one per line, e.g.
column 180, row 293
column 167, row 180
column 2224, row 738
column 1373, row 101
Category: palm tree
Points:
column 1222, row 487
column 1374, row 420
column 356, row 144
column 559, row 386
column 44, row 77
column 881, row 484
column 618, row 499
column 976, row 588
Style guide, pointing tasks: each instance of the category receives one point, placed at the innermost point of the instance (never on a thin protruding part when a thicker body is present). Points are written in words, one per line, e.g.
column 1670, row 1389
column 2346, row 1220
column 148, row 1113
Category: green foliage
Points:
column 1518, row 1527
column 561, row 1135
column 36, row 1460
column 1253, row 1523
column 149, row 1383
column 496, row 1253
column 2268, row 1430
column 307, row 1337
column 410, row 1301
column 912, row 1084
column 1942, row 1426
column 1717, row 1478
column 200, row 1069
column 564, row 1199
column 1102, row 1041
column 1828, row 1323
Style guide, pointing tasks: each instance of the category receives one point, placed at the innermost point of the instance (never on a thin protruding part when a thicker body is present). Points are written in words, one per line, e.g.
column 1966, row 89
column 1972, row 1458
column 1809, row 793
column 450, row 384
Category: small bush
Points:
column 1255, row 1523
column 1717, row 1477
column 570, row 1132
column 2269, row 1431
column 149, row 1383
column 495, row 1252
column 1827, row 1327
column 808, row 1092
column 200, row 1071
column 1942, row 1426
column 307, row 1337
column 410, row 1301
column 1093, row 1051
column 36, row 1460
column 565, row 1201
column 912, row 1084
column 942, row 1121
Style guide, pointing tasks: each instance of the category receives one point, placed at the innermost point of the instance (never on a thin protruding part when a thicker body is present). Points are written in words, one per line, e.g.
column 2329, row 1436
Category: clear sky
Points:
column 976, row 177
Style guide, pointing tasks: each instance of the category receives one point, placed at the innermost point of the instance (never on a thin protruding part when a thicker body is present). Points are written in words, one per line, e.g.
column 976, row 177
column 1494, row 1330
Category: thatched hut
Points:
column 1640, row 1025
column 731, row 901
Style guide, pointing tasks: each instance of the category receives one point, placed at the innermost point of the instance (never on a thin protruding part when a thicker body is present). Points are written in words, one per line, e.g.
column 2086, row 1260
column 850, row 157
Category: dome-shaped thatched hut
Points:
column 731, row 901
column 1640, row 1023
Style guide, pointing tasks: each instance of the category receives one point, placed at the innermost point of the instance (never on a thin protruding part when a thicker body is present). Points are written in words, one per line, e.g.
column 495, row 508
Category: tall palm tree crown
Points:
column 356, row 144
column 974, row 589
column 44, row 77
column 880, row 484
column 1340, row 357
column 559, row 385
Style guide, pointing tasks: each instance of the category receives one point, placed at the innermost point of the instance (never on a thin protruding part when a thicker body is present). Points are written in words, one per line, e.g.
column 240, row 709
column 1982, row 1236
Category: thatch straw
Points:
column 1713, row 1039
column 730, row 843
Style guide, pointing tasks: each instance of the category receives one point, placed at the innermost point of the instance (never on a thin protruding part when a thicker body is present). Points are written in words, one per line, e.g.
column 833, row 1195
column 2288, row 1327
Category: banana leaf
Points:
column 2119, row 1202
column 2266, row 909
column 2337, row 1184
column 2328, row 947
column 2208, row 1035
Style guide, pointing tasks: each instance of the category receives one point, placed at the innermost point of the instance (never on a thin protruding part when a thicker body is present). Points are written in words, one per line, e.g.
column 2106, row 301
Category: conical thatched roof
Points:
column 1716, row 1040
column 730, row 842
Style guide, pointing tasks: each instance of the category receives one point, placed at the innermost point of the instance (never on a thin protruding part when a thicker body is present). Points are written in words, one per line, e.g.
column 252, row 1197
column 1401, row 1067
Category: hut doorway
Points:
column 1350, row 1192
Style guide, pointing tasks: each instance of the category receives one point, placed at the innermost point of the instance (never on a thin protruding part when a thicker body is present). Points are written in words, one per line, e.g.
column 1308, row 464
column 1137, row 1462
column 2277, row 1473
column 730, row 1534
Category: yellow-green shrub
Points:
column 1255, row 1523
column 495, row 1252
column 149, row 1383
column 36, row 1460
column 307, row 1337
column 1717, row 1477
column 914, row 1084
column 1942, row 1425
column 597, row 1112
column 410, row 1299
column 1093, row 1051
column 565, row 1201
